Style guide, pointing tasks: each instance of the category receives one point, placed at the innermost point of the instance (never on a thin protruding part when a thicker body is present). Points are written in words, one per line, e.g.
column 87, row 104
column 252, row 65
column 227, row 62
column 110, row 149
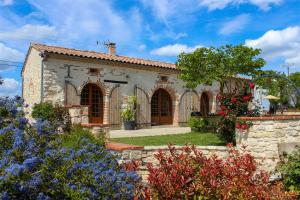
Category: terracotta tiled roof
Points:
column 102, row 56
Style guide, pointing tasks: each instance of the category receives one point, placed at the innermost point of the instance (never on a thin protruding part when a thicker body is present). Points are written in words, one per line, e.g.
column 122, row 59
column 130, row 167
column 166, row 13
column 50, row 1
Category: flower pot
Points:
column 129, row 125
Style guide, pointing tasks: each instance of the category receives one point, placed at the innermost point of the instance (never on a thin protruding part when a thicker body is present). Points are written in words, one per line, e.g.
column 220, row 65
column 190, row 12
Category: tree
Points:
column 205, row 65
column 295, row 77
column 279, row 86
column 1, row 80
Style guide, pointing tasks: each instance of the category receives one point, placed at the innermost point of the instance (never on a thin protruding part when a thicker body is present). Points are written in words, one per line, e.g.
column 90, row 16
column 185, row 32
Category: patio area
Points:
column 154, row 131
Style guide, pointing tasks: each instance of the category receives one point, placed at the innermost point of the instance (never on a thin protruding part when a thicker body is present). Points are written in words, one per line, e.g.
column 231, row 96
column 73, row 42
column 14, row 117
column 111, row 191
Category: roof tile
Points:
column 101, row 56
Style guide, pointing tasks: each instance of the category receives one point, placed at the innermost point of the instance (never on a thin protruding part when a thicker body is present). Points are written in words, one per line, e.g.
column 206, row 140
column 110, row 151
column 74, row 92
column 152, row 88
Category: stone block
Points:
column 74, row 112
column 76, row 120
column 84, row 119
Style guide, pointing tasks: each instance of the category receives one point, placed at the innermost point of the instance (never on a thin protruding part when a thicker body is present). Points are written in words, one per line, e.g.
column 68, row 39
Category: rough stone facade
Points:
column 269, row 138
column 60, row 79
column 32, row 78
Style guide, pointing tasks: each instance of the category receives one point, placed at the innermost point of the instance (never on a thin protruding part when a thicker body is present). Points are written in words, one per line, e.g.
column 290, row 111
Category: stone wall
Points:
column 32, row 80
column 269, row 138
column 79, row 114
column 146, row 154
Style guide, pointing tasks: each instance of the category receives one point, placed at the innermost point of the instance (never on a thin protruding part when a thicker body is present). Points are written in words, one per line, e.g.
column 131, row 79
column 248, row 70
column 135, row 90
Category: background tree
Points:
column 1, row 80
column 205, row 65
column 280, row 87
column 295, row 77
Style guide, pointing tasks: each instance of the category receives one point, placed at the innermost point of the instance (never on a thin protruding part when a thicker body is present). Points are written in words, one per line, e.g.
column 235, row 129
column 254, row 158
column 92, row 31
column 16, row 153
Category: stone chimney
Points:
column 111, row 48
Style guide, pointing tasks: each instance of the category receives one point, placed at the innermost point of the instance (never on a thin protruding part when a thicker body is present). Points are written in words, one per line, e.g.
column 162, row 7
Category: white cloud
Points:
column 10, row 87
column 279, row 44
column 221, row 4
column 6, row 2
column 173, row 50
column 87, row 21
column 235, row 25
column 30, row 32
column 168, row 10
column 7, row 53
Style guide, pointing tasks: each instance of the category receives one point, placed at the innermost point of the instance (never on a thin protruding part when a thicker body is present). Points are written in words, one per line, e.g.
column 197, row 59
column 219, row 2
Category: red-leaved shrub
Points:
column 188, row 174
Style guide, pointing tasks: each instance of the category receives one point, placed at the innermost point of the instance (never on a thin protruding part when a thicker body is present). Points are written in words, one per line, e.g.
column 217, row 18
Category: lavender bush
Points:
column 34, row 165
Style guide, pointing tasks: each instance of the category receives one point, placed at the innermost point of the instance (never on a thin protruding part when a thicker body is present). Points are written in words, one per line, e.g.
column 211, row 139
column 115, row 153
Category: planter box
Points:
column 129, row 125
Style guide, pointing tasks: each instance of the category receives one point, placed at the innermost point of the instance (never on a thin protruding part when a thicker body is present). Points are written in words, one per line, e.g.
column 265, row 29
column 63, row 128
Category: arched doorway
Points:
column 92, row 97
column 161, row 108
column 204, row 104
column 189, row 103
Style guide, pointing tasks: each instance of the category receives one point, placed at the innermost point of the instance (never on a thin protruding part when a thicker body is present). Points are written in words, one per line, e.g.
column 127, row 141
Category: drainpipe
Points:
column 43, row 56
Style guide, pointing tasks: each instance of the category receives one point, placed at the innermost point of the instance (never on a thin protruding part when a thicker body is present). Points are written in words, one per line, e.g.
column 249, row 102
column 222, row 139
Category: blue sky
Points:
column 157, row 29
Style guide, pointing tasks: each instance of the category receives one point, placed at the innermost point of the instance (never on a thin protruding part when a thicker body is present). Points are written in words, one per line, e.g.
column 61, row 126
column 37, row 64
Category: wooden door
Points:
column 161, row 108
column 204, row 104
column 189, row 103
column 71, row 97
column 92, row 97
column 142, row 109
column 115, row 103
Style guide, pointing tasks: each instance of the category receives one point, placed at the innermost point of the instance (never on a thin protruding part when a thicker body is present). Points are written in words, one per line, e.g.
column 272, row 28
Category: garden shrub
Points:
column 188, row 174
column 198, row 124
column 232, row 106
column 57, row 115
column 35, row 165
column 290, row 170
column 10, row 109
column 201, row 124
column 79, row 135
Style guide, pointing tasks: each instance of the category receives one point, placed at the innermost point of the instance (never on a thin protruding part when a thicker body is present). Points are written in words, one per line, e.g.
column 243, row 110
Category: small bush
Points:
column 290, row 171
column 188, row 174
column 57, row 115
column 77, row 136
column 198, row 124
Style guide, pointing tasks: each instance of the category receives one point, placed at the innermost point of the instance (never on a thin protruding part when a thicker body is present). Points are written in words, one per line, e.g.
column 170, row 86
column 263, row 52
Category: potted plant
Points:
column 128, row 114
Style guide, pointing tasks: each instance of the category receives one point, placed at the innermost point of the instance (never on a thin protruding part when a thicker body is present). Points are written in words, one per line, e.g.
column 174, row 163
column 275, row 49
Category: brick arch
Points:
column 172, row 92
column 105, row 89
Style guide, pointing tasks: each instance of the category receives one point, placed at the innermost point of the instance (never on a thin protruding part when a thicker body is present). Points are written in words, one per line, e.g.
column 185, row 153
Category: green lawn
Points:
column 195, row 138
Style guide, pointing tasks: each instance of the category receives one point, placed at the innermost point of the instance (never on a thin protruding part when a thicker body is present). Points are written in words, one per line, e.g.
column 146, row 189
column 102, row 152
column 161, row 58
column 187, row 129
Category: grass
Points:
column 196, row 138
column 78, row 135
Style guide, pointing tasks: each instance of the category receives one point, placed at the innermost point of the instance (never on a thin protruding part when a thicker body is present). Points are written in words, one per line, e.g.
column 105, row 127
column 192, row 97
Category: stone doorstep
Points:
column 91, row 125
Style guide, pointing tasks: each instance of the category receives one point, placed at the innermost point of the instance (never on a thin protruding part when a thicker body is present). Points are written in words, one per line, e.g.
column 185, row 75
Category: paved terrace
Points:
column 159, row 130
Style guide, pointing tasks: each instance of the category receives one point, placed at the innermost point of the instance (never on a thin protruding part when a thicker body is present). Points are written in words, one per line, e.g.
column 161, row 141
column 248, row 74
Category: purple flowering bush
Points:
column 34, row 164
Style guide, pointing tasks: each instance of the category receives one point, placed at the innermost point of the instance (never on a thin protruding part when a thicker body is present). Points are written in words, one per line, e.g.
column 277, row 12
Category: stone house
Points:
column 95, row 86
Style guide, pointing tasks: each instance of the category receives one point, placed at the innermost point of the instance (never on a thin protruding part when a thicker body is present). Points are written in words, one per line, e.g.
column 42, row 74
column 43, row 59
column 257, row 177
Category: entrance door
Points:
column 204, row 105
column 92, row 97
column 161, row 108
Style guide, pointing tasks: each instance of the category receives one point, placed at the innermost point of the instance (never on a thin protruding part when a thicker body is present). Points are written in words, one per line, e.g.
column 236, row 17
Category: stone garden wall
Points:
column 270, row 137
column 146, row 154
